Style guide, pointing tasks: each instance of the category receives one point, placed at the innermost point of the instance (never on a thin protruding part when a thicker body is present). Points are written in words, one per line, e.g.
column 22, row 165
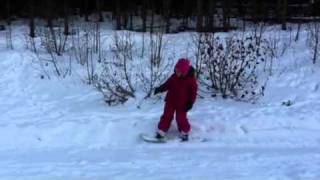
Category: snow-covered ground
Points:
column 62, row 129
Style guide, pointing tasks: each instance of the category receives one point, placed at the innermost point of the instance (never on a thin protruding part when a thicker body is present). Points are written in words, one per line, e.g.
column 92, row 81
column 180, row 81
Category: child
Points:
column 182, row 92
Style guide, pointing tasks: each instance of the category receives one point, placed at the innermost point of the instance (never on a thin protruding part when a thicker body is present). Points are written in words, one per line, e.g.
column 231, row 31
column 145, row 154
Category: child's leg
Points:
column 182, row 122
column 166, row 119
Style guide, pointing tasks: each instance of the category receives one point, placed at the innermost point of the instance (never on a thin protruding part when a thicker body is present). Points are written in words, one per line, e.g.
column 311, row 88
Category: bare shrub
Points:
column 314, row 40
column 117, row 81
column 30, row 43
column 258, row 32
column 86, row 48
column 53, row 64
column 157, row 67
column 53, row 39
column 230, row 66
column 279, row 43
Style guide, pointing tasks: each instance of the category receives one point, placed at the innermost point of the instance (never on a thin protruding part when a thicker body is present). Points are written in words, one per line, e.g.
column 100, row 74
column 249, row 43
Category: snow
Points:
column 62, row 129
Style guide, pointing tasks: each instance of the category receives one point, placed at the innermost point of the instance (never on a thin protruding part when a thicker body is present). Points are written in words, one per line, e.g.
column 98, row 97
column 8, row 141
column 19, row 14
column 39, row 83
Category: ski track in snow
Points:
column 62, row 129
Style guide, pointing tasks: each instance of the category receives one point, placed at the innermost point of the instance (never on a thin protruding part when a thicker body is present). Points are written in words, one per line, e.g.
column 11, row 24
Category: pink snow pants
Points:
column 167, row 117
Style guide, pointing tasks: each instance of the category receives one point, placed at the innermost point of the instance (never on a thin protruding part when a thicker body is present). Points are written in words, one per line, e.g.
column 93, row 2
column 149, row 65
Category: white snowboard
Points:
column 151, row 139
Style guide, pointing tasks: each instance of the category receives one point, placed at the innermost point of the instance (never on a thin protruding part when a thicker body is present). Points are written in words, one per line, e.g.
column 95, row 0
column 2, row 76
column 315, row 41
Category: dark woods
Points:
column 146, row 15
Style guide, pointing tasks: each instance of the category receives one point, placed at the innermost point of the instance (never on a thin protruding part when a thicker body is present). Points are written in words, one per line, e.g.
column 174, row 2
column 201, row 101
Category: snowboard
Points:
column 151, row 139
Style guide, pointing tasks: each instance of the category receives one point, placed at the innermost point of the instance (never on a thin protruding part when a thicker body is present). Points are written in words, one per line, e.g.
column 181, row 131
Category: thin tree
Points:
column 49, row 13
column 284, row 14
column 167, row 14
column 278, row 11
column 8, row 12
column 31, row 19
column 86, row 11
column 66, row 18
column 118, row 15
column 151, row 5
column 144, row 14
column 210, row 16
column 314, row 39
column 226, row 15
column 185, row 17
column 131, row 14
column 199, row 26
column 99, row 4
column 242, row 13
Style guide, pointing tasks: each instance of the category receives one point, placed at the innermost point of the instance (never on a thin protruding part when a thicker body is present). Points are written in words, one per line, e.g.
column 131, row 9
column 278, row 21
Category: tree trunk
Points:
column 210, row 14
column 278, row 10
column 118, row 15
column 8, row 12
column 152, row 20
column 226, row 15
column 131, row 20
column 284, row 15
column 130, row 14
column 315, row 54
column 258, row 11
column 298, row 31
column 316, row 27
column 167, row 14
column 125, row 20
column 144, row 16
column 31, row 16
column 66, row 19
column 49, row 13
column 185, row 24
column 242, row 14
column 199, row 26
column 86, row 11
column 98, row 6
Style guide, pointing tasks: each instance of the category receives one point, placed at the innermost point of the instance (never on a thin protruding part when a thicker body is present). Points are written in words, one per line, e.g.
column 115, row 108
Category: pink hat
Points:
column 183, row 65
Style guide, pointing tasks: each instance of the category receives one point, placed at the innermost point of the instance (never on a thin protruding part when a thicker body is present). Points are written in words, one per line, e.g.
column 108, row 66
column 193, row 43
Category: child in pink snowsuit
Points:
column 182, row 92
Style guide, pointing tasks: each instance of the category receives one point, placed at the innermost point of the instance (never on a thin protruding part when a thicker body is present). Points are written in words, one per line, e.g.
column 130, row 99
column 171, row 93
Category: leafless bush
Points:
column 258, row 32
column 157, row 65
column 279, row 43
column 84, row 53
column 52, row 64
column 86, row 48
column 56, row 53
column 273, row 44
column 117, row 81
column 30, row 43
column 53, row 42
column 314, row 40
column 198, row 40
column 142, row 46
column 230, row 67
column 53, row 39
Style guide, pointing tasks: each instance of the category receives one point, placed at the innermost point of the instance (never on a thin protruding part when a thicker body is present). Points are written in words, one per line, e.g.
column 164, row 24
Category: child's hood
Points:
column 183, row 65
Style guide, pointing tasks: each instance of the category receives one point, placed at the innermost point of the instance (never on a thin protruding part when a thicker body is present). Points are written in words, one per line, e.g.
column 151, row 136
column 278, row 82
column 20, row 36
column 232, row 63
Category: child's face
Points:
column 178, row 73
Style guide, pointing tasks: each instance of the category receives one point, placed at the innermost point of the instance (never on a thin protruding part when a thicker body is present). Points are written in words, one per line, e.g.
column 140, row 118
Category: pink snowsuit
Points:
column 182, row 91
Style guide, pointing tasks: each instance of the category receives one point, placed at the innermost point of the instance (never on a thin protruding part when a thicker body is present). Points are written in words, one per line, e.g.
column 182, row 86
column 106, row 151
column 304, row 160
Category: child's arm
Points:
column 164, row 87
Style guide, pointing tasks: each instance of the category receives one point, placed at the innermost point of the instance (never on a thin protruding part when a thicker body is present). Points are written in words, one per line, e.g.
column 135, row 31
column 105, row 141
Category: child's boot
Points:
column 184, row 137
column 160, row 136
